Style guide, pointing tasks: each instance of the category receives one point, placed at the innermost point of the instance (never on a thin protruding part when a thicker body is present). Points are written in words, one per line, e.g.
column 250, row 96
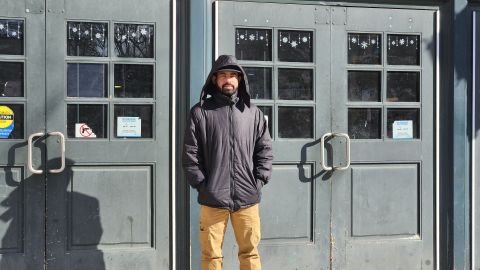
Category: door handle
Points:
column 29, row 159
column 348, row 151
column 62, row 149
column 322, row 147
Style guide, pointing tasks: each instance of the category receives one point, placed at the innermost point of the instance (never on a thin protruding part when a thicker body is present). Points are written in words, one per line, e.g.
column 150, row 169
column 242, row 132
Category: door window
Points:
column 90, row 96
column 383, row 95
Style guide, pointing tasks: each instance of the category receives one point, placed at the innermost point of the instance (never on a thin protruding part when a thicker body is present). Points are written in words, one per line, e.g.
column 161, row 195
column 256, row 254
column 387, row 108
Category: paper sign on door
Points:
column 129, row 127
column 402, row 129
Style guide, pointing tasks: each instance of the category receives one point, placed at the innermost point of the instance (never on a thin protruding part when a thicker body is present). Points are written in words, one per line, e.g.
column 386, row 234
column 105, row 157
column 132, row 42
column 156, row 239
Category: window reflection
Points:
column 11, row 79
column 11, row 37
column 295, row 46
column 260, row 82
column 364, row 48
column 134, row 40
column 133, row 81
column 87, row 39
column 364, row 85
column 403, row 86
column 87, row 80
column 295, row 84
column 253, row 44
column 364, row 123
column 403, row 50
column 295, row 122
column 87, row 121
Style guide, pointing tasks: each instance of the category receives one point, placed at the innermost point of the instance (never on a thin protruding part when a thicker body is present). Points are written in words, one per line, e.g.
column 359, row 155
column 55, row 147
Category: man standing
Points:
column 228, row 158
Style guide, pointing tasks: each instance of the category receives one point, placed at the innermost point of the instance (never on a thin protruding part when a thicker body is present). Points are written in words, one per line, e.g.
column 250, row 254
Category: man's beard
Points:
column 227, row 91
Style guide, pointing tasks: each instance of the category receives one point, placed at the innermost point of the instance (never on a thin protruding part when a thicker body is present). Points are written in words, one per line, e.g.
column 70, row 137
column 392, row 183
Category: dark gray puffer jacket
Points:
column 227, row 153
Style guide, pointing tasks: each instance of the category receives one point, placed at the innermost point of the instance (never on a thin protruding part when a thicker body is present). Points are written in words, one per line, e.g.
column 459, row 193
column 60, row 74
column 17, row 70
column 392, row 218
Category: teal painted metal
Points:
column 461, row 53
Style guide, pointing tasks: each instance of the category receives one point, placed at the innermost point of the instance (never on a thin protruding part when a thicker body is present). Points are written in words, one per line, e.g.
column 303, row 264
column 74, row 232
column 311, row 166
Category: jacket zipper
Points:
column 232, row 173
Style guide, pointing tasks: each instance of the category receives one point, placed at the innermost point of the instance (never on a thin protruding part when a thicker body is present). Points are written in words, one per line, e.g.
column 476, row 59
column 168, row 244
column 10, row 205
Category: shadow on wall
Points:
column 22, row 206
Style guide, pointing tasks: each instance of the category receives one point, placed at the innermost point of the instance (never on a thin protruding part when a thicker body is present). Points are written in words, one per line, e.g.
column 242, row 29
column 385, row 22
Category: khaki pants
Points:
column 246, row 225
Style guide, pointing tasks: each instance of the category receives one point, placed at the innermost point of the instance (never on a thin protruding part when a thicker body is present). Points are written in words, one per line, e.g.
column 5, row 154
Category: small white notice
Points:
column 82, row 130
column 130, row 127
column 402, row 129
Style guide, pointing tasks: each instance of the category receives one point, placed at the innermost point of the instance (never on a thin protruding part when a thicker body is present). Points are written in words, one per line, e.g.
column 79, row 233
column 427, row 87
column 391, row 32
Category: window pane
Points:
column 403, row 86
column 295, row 84
column 364, row 85
column 134, row 40
column 87, row 39
column 260, row 82
column 11, row 79
column 403, row 50
column 295, row 122
column 87, row 80
column 253, row 44
column 133, row 81
column 267, row 112
column 403, row 123
column 295, row 46
column 133, row 121
column 364, row 123
column 87, row 121
column 11, row 37
column 364, row 48
column 11, row 121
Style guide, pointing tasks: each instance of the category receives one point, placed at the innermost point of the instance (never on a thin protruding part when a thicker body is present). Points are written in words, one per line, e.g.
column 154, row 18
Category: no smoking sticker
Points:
column 6, row 121
column 82, row 130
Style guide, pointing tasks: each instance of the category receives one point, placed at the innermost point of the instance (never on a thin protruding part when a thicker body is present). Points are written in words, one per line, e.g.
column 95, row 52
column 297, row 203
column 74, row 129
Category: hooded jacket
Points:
column 227, row 152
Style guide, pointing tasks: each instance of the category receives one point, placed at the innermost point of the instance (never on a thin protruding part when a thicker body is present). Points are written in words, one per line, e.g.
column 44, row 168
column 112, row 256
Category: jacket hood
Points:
column 229, row 61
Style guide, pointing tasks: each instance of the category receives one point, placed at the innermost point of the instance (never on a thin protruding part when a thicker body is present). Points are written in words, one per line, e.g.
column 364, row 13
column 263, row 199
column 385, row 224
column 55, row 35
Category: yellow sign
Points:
column 6, row 117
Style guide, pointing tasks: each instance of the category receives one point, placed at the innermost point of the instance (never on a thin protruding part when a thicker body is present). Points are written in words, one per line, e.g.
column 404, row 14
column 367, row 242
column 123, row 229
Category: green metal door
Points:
column 22, row 112
column 349, row 101
column 97, row 93
column 383, row 97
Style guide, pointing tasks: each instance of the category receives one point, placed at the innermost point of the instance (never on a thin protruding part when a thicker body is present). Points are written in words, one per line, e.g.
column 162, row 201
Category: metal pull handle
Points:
column 62, row 149
column 348, row 151
column 322, row 147
column 29, row 160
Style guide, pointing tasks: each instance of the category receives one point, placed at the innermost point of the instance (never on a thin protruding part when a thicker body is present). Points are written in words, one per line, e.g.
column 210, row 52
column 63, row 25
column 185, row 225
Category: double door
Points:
column 349, row 96
column 84, row 134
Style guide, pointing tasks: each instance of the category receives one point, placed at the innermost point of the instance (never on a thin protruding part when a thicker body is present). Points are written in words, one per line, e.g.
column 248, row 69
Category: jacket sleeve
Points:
column 262, row 155
column 192, row 159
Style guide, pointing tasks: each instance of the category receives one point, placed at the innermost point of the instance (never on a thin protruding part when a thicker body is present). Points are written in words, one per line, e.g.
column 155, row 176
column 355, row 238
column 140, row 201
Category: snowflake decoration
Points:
column 402, row 41
column 373, row 41
column 14, row 34
column 393, row 43
column 411, row 42
column 1, row 26
column 74, row 29
column 261, row 37
column 354, row 40
column 124, row 37
column 294, row 44
column 285, row 40
column 242, row 36
column 134, row 34
column 305, row 39
column 98, row 35
column 86, row 32
column 364, row 45
column 251, row 37
column 143, row 32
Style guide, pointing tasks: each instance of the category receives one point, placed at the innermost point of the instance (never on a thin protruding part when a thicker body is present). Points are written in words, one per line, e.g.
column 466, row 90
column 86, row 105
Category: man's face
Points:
column 227, row 82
